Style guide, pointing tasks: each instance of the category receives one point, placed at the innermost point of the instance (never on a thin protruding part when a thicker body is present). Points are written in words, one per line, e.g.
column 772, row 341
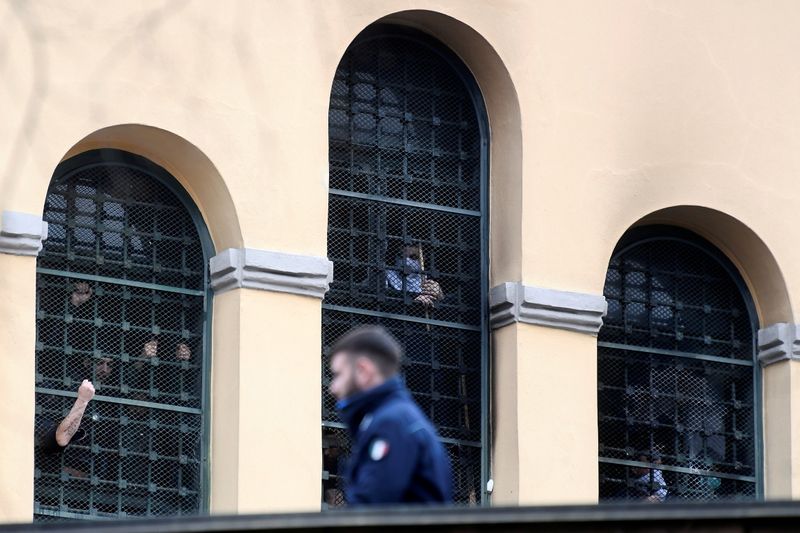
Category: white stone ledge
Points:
column 513, row 302
column 22, row 233
column 778, row 342
column 265, row 270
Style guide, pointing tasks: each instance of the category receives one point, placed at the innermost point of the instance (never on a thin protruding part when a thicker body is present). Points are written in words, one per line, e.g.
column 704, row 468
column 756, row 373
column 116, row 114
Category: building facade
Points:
column 576, row 216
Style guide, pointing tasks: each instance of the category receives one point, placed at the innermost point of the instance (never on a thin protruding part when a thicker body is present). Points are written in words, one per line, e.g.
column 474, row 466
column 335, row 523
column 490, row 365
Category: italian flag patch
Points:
column 378, row 450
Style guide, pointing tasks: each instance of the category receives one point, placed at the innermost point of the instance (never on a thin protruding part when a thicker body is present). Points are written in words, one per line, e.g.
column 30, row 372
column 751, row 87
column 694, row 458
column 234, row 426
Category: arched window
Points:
column 407, row 232
column 677, row 375
column 122, row 300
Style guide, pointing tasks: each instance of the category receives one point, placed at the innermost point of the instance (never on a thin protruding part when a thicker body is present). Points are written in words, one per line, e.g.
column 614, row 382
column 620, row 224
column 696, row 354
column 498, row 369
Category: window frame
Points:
column 641, row 235
column 472, row 90
column 109, row 156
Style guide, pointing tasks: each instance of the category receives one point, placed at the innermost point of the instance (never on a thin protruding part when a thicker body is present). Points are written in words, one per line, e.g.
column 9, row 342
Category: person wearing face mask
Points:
column 410, row 278
column 422, row 340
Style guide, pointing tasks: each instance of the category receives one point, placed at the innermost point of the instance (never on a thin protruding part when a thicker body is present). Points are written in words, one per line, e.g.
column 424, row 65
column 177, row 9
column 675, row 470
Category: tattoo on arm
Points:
column 69, row 426
column 72, row 426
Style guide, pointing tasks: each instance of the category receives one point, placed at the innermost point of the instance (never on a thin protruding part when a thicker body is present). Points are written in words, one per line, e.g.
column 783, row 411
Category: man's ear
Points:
column 365, row 364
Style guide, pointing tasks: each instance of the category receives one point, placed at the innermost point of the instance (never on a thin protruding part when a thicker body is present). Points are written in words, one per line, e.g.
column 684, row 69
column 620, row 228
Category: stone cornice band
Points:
column 778, row 342
column 22, row 233
column 266, row 270
column 514, row 302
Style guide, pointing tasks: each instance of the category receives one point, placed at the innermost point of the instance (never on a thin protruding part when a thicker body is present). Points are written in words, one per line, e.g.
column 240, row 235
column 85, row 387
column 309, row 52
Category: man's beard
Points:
column 352, row 387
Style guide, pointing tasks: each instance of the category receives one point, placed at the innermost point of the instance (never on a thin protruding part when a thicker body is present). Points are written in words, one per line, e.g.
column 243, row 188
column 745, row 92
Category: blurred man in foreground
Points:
column 396, row 454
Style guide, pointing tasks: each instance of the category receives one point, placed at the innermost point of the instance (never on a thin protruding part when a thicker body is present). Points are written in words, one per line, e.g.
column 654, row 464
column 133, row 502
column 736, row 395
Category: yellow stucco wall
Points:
column 17, row 367
column 624, row 108
column 265, row 398
column 781, row 423
column 545, row 417
column 603, row 115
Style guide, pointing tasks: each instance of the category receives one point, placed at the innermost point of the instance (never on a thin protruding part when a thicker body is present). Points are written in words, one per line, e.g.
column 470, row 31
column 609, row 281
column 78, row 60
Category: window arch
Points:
column 678, row 392
column 408, row 206
column 122, row 300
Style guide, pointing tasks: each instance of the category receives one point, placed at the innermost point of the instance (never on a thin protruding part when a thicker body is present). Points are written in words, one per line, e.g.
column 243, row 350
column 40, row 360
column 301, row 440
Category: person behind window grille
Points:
column 164, row 377
column 648, row 483
column 410, row 278
column 420, row 340
column 78, row 461
column 333, row 458
column 53, row 438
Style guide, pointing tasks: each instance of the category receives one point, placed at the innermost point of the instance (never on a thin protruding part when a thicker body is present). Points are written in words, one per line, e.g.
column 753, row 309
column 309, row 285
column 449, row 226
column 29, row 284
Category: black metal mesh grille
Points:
column 121, row 300
column 677, row 401
column 406, row 208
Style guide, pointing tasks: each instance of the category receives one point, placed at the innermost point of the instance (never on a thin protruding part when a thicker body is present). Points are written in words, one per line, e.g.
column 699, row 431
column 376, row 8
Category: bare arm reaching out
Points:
column 69, row 426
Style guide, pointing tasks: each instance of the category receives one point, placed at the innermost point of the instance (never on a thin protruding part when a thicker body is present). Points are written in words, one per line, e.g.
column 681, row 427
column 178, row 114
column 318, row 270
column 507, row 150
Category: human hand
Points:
column 150, row 348
column 81, row 294
column 183, row 352
column 431, row 292
column 74, row 472
column 432, row 288
column 86, row 391
column 425, row 299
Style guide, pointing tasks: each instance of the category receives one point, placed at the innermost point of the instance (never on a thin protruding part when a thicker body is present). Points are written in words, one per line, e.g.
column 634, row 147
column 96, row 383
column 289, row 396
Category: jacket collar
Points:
column 353, row 409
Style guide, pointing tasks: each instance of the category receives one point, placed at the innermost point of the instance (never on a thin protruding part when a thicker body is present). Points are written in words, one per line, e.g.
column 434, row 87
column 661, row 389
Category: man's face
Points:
column 639, row 471
column 102, row 369
column 412, row 252
column 343, row 383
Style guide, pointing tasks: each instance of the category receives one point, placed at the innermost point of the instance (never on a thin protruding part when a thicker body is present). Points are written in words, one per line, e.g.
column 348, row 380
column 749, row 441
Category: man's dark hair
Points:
column 375, row 343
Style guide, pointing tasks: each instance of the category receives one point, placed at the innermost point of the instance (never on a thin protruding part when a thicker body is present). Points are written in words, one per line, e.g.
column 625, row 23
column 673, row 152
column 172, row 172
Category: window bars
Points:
column 121, row 300
column 406, row 233
column 677, row 389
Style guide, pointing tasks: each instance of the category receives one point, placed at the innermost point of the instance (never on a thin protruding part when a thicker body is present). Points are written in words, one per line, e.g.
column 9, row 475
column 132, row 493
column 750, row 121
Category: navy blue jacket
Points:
column 396, row 455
